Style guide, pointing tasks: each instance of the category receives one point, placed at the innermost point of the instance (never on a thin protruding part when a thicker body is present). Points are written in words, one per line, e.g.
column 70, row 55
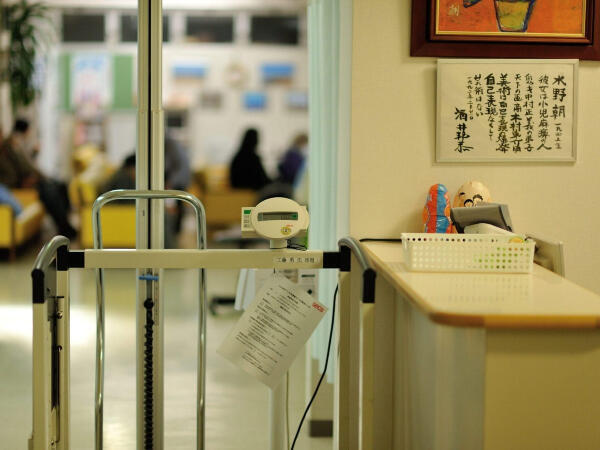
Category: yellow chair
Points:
column 118, row 220
column 15, row 230
column 222, row 203
column 118, row 226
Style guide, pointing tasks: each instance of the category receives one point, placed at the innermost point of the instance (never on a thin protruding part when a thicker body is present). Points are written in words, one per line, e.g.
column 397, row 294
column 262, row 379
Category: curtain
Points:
column 323, row 60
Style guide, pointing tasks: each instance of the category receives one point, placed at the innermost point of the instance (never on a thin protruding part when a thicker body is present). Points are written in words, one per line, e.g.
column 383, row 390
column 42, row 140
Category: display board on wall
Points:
column 506, row 110
column 91, row 80
column 106, row 79
column 255, row 100
column 277, row 72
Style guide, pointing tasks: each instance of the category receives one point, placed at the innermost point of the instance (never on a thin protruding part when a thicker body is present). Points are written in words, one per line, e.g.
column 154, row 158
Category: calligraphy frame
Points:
column 426, row 42
column 443, row 155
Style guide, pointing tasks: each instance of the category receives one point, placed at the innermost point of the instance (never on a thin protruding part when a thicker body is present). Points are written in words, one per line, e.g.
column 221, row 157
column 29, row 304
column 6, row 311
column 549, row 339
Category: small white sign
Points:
column 506, row 110
column 273, row 329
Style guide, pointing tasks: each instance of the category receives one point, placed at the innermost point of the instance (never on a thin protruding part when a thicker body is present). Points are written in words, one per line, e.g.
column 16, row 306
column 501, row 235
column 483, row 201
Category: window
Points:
column 281, row 30
column 209, row 29
column 82, row 27
column 129, row 28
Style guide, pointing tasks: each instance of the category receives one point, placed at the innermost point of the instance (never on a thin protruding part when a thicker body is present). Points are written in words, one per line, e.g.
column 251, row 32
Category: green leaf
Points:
column 24, row 19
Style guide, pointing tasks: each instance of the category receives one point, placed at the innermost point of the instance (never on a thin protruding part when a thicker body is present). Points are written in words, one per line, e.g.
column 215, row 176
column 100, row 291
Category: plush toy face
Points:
column 470, row 194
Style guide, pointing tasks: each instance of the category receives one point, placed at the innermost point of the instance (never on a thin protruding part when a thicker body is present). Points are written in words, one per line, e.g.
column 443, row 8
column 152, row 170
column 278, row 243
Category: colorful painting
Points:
column 541, row 18
column 561, row 29
column 254, row 101
column 277, row 72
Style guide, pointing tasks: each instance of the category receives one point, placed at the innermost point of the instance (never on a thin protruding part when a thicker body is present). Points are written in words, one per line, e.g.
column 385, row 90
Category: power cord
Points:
column 380, row 240
column 324, row 370
column 296, row 246
column 287, row 409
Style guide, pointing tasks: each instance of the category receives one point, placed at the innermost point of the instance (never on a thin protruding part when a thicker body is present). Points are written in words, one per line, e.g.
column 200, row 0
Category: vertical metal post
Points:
column 150, row 227
column 50, row 295
column 63, row 321
column 277, row 416
column 44, row 431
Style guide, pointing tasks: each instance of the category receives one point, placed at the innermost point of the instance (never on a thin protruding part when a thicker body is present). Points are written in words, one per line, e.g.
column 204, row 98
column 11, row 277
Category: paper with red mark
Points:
column 272, row 330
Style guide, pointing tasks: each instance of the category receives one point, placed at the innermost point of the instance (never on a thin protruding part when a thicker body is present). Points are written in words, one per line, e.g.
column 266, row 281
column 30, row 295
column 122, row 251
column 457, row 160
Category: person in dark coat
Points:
column 246, row 170
column 292, row 161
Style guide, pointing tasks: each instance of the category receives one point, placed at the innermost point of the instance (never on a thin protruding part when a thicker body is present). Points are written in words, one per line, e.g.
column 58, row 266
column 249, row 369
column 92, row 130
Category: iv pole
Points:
column 149, row 235
column 150, row 227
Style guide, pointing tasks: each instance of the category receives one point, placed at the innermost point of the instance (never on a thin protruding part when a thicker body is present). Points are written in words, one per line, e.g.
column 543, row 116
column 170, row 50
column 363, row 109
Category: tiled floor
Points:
column 237, row 406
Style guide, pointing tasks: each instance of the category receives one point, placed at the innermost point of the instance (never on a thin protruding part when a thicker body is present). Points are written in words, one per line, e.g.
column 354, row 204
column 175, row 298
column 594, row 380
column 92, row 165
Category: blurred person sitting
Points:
column 246, row 170
column 91, row 169
column 177, row 170
column 293, row 160
column 177, row 165
column 90, row 164
column 291, row 166
column 18, row 172
column 178, row 176
column 124, row 176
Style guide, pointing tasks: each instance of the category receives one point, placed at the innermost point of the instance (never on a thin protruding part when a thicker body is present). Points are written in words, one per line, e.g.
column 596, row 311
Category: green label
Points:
column 246, row 211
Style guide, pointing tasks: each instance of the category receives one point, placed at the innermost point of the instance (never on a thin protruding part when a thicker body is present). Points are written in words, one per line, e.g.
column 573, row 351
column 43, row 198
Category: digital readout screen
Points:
column 277, row 216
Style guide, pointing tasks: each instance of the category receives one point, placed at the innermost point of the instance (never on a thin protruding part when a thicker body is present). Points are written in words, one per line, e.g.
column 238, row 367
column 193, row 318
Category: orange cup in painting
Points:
column 513, row 15
column 558, row 18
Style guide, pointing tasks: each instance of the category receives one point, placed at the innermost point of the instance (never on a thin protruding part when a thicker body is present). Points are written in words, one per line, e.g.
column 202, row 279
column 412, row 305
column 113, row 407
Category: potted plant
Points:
column 24, row 22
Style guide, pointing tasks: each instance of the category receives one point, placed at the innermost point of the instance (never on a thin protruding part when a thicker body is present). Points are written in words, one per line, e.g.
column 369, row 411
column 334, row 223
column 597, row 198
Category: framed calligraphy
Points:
column 506, row 110
column 506, row 28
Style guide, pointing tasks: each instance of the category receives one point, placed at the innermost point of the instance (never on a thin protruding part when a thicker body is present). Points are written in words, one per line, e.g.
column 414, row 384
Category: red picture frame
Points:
column 425, row 41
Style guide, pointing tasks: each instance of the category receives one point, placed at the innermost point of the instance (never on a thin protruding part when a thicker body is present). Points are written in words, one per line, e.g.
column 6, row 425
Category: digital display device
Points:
column 277, row 216
column 278, row 219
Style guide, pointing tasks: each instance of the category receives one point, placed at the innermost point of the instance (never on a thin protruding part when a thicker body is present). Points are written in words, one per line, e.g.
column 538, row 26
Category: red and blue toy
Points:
column 436, row 213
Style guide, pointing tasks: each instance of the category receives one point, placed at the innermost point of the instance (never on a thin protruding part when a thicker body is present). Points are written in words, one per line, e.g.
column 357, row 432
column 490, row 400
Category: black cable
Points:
column 380, row 240
column 322, row 375
column 148, row 378
column 296, row 246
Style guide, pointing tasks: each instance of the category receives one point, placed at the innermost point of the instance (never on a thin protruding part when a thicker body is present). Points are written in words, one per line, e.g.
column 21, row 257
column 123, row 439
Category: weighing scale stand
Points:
column 51, row 289
column 50, row 294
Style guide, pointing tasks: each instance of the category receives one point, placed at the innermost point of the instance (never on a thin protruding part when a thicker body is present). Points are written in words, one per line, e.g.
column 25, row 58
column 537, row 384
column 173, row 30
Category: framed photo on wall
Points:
column 506, row 28
column 506, row 110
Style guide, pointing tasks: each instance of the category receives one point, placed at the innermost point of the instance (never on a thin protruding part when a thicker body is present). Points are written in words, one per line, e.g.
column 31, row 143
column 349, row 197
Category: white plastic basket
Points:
column 438, row 252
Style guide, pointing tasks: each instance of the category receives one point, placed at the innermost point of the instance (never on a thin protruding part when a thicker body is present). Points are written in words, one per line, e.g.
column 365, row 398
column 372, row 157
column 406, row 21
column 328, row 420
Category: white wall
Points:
column 214, row 134
column 393, row 146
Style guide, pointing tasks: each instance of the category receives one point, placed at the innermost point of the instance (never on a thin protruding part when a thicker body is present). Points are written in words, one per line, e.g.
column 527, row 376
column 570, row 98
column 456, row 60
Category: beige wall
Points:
column 393, row 147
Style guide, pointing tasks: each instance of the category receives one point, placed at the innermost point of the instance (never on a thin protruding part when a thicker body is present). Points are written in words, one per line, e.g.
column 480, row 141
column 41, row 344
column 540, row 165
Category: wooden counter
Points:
column 541, row 299
column 466, row 361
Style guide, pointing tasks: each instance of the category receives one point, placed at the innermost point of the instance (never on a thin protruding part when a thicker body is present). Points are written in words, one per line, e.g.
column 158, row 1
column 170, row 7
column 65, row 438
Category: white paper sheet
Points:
column 506, row 110
column 251, row 280
column 273, row 329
